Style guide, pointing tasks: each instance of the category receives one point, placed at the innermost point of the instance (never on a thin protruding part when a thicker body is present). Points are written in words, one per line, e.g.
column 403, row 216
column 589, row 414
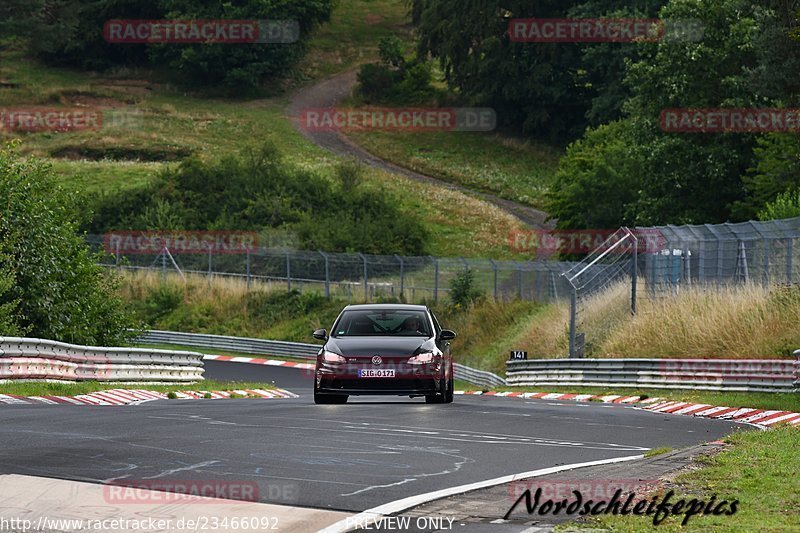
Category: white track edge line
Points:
column 370, row 515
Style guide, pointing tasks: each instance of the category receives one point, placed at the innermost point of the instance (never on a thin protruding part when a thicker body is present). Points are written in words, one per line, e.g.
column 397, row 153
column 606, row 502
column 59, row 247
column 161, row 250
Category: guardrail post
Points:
column 327, row 277
column 402, row 276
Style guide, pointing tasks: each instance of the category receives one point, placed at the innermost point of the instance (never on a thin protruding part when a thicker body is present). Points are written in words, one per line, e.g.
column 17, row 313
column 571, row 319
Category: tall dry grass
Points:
column 723, row 322
column 714, row 322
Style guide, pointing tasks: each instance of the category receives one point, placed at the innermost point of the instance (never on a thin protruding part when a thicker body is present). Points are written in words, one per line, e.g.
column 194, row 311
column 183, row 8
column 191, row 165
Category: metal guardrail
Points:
column 35, row 359
column 478, row 377
column 751, row 375
column 286, row 349
column 232, row 344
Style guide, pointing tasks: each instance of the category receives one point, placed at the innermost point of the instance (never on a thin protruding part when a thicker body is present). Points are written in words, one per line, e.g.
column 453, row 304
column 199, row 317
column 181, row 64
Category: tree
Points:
column 50, row 283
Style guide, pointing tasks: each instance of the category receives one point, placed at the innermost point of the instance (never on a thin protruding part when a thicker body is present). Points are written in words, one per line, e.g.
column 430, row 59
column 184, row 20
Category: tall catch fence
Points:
column 356, row 277
column 669, row 259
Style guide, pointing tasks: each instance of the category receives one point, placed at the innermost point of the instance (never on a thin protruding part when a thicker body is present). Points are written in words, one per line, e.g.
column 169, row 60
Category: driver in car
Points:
column 411, row 324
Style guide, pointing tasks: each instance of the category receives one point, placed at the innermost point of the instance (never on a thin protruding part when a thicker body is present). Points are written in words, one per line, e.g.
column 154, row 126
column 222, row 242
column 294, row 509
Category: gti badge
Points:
column 377, row 360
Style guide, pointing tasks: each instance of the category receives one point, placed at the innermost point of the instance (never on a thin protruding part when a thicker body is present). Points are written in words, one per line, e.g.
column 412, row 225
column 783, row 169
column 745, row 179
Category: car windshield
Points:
column 383, row 322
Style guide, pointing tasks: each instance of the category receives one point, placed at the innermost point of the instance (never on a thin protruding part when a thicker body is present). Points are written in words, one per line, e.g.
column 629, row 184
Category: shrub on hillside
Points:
column 395, row 79
column 50, row 284
column 259, row 190
column 70, row 32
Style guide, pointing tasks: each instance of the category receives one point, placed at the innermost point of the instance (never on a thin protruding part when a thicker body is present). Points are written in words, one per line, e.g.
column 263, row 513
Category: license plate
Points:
column 369, row 373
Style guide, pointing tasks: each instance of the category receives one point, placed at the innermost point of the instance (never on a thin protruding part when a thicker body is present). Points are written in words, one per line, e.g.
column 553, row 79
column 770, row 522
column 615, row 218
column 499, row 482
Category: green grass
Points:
column 85, row 387
column 352, row 36
column 486, row 162
column 657, row 451
column 759, row 470
column 758, row 400
column 170, row 122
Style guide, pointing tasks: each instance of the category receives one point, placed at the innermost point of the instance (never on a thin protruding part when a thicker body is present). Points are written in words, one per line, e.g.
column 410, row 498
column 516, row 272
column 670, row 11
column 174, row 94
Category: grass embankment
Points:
column 166, row 126
column 85, row 387
column 516, row 170
column 759, row 470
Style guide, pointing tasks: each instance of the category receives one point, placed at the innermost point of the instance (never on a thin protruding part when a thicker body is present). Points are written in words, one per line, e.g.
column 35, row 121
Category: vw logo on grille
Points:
column 377, row 361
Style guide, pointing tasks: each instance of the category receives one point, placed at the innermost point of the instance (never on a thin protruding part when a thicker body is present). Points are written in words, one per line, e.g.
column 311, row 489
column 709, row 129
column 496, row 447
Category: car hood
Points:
column 386, row 346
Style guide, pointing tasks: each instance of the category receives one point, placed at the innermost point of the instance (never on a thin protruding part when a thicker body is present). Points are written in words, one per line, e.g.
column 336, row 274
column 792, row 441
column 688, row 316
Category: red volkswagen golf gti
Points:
column 388, row 349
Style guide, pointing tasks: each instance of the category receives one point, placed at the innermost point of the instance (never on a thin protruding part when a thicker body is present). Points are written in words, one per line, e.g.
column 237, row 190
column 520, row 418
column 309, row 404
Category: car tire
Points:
column 449, row 390
column 327, row 399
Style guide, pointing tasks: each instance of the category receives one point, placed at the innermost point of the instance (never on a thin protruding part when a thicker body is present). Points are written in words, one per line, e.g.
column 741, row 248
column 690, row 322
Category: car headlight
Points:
column 422, row 359
column 330, row 357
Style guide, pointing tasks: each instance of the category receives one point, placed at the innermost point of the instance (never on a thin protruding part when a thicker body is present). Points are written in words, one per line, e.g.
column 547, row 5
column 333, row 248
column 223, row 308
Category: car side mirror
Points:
column 447, row 335
column 320, row 334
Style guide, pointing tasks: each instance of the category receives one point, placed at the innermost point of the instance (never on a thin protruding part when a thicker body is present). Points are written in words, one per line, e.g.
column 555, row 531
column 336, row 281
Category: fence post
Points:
column 210, row 251
column 766, row 263
column 248, row 267
column 401, row 274
column 789, row 259
column 164, row 261
column 288, row 272
column 116, row 256
column 494, row 272
column 366, row 279
column 327, row 277
column 519, row 281
column 573, row 304
column 634, row 276
column 435, row 279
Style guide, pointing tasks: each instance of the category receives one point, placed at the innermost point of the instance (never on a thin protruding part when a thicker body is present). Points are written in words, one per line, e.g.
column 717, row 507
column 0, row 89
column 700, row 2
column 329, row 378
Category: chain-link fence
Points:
column 604, row 286
column 357, row 277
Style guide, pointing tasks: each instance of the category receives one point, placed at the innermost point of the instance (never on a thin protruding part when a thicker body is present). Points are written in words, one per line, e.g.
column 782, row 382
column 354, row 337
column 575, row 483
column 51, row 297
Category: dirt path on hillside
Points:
column 329, row 92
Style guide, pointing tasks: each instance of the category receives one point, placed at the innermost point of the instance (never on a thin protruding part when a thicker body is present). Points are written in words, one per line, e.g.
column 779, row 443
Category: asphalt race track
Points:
column 347, row 457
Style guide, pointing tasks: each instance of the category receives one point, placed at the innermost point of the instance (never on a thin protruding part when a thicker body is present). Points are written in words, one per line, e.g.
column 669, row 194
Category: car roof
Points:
column 388, row 306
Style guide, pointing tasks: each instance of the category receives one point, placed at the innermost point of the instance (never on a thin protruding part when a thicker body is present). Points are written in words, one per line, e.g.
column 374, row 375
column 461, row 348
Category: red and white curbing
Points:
column 757, row 417
column 611, row 398
column 258, row 361
column 128, row 396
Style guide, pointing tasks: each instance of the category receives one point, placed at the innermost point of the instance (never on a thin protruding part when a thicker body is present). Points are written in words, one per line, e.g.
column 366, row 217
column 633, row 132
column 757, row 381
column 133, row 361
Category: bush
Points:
column 463, row 291
column 70, row 32
column 395, row 79
column 57, row 289
column 786, row 205
column 258, row 190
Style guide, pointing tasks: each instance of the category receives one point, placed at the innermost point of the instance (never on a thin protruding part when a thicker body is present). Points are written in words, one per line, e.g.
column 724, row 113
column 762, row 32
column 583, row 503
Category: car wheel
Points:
column 323, row 399
column 448, row 392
